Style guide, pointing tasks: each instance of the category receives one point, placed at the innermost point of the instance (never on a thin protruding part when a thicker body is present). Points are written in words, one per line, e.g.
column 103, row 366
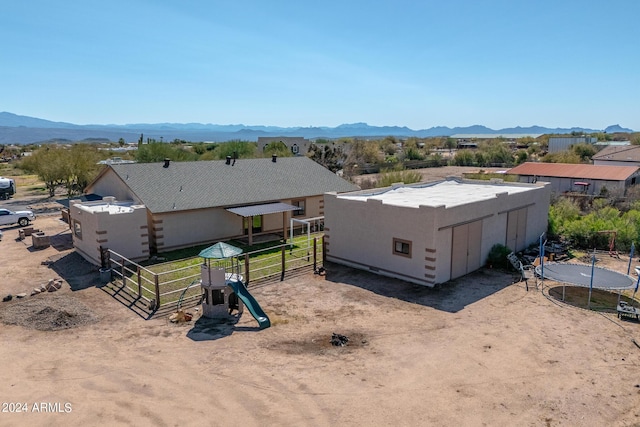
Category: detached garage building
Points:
column 431, row 233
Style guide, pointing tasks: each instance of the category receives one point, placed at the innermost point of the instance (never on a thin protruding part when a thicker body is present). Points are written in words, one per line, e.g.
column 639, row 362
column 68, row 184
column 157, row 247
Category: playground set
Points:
column 224, row 292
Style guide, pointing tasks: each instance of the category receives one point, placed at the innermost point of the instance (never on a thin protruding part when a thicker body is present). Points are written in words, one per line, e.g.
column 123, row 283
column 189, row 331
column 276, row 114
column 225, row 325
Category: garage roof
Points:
column 444, row 193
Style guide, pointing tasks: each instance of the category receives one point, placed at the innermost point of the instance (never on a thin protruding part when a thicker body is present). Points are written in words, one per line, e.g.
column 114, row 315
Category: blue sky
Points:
column 419, row 64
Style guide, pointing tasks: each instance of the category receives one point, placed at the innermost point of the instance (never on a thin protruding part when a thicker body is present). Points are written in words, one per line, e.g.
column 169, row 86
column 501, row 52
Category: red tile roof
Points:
column 580, row 171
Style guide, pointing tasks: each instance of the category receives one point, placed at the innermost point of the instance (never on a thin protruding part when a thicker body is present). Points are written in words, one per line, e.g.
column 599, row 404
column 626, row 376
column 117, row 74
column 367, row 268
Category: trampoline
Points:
column 580, row 275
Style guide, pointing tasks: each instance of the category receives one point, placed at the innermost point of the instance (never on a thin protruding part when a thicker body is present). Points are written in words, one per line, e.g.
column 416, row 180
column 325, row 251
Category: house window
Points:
column 402, row 247
column 295, row 149
column 77, row 229
column 300, row 204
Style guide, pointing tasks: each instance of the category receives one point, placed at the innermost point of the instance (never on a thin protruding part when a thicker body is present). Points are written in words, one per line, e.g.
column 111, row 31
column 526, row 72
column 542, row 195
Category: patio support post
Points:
column 284, row 226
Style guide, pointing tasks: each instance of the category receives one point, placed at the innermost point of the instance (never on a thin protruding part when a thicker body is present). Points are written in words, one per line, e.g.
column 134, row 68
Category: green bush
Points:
column 497, row 257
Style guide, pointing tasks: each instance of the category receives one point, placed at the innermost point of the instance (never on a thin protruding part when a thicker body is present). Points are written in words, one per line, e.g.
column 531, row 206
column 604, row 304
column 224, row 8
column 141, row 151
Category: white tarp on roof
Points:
column 264, row 209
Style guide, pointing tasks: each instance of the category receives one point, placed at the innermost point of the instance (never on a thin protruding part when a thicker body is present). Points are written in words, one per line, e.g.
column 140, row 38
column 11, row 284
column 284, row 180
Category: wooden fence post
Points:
column 139, row 283
column 157, row 283
column 124, row 278
column 283, row 263
column 324, row 251
column 315, row 255
column 246, row 269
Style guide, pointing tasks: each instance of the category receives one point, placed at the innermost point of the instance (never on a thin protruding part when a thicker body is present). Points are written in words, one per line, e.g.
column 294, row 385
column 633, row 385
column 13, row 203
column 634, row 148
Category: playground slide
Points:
column 251, row 303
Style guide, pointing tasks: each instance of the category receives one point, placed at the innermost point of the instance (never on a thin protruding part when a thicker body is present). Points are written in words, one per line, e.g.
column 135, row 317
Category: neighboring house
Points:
column 431, row 233
column 191, row 203
column 563, row 143
column 569, row 177
column 299, row 146
column 617, row 155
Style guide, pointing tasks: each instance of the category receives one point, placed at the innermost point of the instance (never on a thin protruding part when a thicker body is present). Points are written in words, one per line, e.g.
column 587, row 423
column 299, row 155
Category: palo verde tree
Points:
column 243, row 149
column 158, row 151
column 48, row 163
column 59, row 166
column 81, row 167
column 278, row 148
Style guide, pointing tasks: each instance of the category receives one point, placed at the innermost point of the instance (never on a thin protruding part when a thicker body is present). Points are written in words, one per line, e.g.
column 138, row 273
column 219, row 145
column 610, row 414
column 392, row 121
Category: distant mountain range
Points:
column 15, row 129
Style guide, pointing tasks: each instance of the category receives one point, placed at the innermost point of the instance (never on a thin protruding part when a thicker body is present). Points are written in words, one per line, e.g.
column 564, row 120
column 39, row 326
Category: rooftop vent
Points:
column 166, row 163
column 228, row 162
column 274, row 158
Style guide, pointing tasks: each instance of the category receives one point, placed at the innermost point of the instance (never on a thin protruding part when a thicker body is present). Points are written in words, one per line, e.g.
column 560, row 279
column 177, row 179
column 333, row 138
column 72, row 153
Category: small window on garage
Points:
column 77, row 229
column 402, row 247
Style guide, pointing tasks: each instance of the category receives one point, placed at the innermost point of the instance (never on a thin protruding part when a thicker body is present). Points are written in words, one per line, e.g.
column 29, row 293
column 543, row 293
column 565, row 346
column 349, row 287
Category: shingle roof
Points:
column 580, row 171
column 206, row 184
column 625, row 153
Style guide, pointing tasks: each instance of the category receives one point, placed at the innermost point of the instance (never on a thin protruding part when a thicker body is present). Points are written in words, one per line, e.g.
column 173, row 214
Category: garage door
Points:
column 516, row 229
column 465, row 248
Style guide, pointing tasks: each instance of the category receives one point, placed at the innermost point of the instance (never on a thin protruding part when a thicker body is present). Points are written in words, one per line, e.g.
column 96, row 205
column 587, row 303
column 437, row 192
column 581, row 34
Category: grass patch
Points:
column 179, row 269
column 489, row 176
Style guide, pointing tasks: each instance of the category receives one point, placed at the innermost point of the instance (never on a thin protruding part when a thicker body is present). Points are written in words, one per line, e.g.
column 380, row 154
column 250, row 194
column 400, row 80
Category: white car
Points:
column 22, row 218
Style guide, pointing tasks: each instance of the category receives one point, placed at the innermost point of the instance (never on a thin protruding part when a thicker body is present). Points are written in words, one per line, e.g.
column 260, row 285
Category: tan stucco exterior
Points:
column 180, row 229
column 362, row 234
column 119, row 226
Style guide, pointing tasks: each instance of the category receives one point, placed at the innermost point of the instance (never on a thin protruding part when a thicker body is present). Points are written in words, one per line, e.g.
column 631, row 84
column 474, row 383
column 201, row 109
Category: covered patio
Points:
column 249, row 212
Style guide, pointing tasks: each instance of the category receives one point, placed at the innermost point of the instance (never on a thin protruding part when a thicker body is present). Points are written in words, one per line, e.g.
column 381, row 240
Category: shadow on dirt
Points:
column 75, row 270
column 205, row 329
column 451, row 296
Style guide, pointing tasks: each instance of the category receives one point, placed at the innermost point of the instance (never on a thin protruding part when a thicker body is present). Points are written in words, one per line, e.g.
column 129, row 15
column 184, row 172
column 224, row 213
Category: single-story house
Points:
column 587, row 179
column 618, row 155
column 148, row 208
column 432, row 233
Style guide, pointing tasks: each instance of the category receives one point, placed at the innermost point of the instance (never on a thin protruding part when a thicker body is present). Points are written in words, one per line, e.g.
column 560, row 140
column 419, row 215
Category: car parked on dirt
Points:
column 22, row 218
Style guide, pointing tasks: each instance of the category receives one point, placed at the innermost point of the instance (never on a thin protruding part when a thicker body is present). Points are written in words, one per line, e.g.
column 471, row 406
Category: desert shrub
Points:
column 398, row 175
column 497, row 257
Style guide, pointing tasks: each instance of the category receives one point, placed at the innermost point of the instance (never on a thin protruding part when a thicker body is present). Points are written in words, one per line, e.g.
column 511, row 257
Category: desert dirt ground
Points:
column 479, row 350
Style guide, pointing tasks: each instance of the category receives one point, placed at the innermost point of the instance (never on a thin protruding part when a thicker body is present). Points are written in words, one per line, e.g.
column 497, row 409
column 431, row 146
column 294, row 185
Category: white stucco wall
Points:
column 360, row 233
column 123, row 232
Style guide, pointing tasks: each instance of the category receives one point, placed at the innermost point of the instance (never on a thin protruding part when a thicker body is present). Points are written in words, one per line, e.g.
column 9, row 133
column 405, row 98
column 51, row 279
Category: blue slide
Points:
column 250, row 302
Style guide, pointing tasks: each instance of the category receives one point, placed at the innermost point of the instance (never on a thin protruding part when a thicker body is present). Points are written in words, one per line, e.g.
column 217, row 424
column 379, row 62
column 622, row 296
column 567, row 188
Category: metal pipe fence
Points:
column 161, row 285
